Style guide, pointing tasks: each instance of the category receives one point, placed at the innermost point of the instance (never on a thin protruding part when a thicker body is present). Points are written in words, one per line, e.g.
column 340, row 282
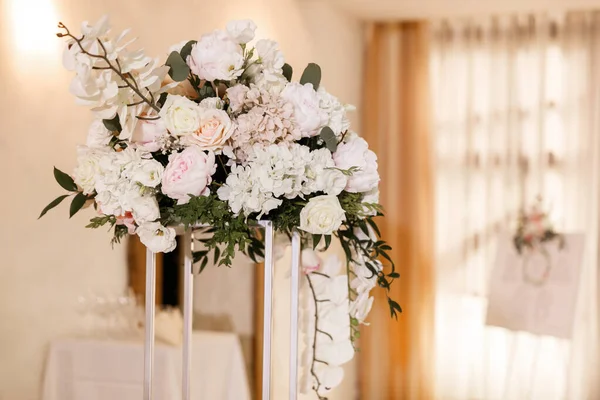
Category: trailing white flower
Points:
column 157, row 238
column 241, row 31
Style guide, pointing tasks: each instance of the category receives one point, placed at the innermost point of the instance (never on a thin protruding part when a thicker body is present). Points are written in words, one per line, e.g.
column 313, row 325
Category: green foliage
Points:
column 102, row 220
column 64, row 180
column 178, row 69
column 186, row 50
column 53, row 204
column 311, row 74
column 288, row 71
column 113, row 124
column 329, row 138
column 119, row 233
column 77, row 203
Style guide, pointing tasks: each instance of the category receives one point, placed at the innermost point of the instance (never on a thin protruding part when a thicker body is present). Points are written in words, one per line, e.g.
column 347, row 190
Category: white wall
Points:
column 46, row 264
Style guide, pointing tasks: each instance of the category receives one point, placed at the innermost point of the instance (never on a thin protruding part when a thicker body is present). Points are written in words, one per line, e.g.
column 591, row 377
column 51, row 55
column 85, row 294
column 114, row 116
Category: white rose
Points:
column 144, row 209
column 215, row 127
column 148, row 173
column 307, row 113
column 188, row 173
column 147, row 134
column 88, row 167
column 180, row 115
column 356, row 153
column 98, row 135
column 212, row 102
column 241, row 31
column 216, row 56
column 237, row 97
column 157, row 238
column 361, row 307
column 269, row 54
column 322, row 215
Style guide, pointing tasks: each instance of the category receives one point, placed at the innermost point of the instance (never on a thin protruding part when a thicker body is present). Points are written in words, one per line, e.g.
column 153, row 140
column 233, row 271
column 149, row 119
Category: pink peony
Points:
column 188, row 173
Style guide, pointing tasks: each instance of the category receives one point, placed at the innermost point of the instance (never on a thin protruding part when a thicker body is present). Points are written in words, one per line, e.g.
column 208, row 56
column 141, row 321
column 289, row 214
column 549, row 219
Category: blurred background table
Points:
column 92, row 369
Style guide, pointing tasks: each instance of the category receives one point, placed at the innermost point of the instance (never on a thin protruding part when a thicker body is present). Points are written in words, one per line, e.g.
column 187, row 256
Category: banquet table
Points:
column 91, row 369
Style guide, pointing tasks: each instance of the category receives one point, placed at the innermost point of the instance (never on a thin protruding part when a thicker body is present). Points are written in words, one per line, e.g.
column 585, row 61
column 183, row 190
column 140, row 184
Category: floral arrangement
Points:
column 220, row 135
column 534, row 228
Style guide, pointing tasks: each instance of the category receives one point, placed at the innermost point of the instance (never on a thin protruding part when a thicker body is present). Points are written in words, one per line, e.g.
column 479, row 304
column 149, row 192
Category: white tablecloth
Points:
column 83, row 369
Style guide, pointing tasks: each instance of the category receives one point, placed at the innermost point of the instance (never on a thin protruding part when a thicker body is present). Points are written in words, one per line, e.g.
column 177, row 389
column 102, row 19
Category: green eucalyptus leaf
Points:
column 53, row 204
column 64, row 180
column 113, row 124
column 288, row 71
column 178, row 69
column 327, row 241
column 329, row 138
column 311, row 74
column 78, row 202
column 316, row 239
column 186, row 50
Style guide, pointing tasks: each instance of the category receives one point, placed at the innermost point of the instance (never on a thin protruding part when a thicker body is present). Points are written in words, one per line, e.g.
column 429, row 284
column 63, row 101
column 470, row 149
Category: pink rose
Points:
column 188, row 173
column 147, row 134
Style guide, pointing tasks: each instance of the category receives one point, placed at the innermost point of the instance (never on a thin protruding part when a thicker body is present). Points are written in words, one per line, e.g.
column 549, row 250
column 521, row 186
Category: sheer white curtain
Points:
column 516, row 116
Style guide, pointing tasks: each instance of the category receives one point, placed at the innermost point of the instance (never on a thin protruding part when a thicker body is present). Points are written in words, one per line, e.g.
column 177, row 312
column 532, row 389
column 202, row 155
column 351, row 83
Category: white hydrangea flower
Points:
column 336, row 111
column 157, row 238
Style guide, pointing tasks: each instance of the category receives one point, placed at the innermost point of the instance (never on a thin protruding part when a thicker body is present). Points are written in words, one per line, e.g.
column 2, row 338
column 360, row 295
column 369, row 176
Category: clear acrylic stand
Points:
column 188, row 282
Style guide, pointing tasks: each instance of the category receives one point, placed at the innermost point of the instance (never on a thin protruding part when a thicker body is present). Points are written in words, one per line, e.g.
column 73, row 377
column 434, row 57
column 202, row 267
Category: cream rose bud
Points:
column 148, row 173
column 147, row 134
column 180, row 115
column 215, row 127
column 322, row 215
column 241, row 31
column 216, row 56
column 145, row 209
column 356, row 153
column 309, row 117
column 98, row 135
column 188, row 173
column 157, row 238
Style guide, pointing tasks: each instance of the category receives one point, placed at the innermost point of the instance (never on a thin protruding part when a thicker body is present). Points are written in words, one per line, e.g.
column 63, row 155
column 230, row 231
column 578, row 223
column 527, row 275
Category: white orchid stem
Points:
column 133, row 86
column 314, row 346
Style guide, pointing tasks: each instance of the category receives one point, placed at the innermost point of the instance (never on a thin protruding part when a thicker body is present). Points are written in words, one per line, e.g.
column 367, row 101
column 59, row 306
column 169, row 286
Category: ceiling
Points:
column 416, row 9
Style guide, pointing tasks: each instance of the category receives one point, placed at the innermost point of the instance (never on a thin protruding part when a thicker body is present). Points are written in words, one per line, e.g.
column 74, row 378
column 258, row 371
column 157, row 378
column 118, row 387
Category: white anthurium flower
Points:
column 157, row 238
column 361, row 306
column 241, row 31
column 322, row 215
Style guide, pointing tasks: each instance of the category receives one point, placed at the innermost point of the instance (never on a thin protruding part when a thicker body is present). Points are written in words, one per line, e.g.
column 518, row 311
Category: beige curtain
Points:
column 396, row 356
column 516, row 116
